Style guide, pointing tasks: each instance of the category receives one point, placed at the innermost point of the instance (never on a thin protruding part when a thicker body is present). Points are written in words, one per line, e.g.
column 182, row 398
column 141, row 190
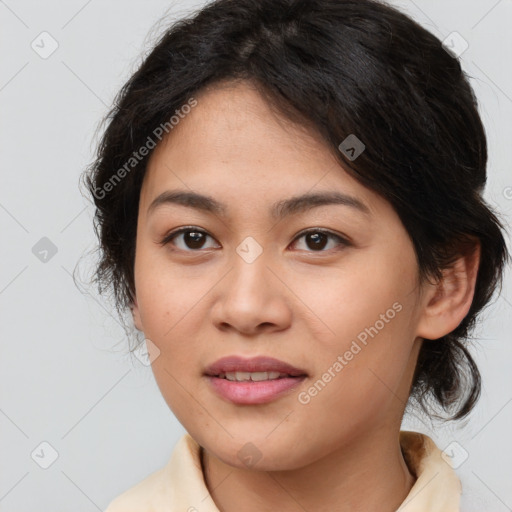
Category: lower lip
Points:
column 250, row 392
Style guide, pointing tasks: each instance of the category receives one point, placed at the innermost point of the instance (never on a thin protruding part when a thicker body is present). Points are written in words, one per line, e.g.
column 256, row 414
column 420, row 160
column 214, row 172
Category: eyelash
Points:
column 168, row 238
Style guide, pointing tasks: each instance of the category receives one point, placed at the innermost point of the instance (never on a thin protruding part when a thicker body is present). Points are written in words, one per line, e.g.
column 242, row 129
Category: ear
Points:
column 136, row 315
column 446, row 303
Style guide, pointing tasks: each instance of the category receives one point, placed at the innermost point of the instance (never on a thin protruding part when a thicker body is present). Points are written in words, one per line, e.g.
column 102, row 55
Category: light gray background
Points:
column 66, row 378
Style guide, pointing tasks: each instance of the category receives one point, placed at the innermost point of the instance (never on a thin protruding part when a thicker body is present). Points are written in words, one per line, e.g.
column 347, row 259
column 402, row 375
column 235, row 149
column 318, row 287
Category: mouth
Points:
column 253, row 376
column 253, row 381
column 255, row 368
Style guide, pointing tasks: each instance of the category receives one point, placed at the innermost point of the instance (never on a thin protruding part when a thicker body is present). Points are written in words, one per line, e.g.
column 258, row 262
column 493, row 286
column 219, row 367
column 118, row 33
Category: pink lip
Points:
column 253, row 364
column 250, row 392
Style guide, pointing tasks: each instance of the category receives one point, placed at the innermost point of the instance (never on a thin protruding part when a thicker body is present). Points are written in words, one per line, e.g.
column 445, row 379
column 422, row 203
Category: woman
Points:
column 289, row 199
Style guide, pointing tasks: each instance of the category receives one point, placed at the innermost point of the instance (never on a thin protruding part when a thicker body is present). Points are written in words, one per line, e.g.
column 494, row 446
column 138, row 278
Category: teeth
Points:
column 254, row 376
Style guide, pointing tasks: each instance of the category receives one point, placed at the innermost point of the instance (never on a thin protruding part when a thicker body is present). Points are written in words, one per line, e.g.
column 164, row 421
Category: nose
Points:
column 252, row 299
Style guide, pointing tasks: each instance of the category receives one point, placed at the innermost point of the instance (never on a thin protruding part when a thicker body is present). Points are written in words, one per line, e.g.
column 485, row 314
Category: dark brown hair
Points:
column 344, row 67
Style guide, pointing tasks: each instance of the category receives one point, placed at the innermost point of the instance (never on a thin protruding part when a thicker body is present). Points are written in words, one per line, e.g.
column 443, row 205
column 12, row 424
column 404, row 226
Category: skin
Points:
column 295, row 302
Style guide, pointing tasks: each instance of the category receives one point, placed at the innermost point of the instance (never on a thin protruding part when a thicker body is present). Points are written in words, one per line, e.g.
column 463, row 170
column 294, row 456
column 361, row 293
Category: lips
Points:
column 233, row 364
column 254, row 381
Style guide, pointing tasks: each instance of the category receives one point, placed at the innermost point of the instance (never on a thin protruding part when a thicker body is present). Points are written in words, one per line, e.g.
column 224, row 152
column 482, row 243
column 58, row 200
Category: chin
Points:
column 278, row 454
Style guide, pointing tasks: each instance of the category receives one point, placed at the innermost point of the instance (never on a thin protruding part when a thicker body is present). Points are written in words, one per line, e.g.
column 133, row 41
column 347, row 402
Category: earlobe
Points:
column 448, row 302
column 136, row 315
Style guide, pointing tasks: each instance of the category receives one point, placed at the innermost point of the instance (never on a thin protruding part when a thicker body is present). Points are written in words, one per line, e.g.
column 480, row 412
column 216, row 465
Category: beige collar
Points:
column 437, row 487
column 180, row 484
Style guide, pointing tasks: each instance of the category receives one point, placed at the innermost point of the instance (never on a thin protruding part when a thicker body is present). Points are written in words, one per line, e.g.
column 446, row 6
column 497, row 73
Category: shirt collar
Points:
column 437, row 487
column 180, row 484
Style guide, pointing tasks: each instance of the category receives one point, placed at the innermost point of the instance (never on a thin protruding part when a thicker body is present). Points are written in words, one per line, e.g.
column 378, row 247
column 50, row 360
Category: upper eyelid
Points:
column 179, row 231
column 343, row 239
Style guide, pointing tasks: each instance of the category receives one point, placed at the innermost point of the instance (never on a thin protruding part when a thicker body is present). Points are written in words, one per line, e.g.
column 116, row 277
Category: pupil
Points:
column 319, row 240
column 194, row 238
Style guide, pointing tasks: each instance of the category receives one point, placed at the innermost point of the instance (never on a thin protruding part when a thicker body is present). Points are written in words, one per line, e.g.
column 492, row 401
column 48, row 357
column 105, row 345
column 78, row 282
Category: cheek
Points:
column 366, row 293
column 372, row 364
column 171, row 312
column 166, row 293
column 369, row 310
column 360, row 384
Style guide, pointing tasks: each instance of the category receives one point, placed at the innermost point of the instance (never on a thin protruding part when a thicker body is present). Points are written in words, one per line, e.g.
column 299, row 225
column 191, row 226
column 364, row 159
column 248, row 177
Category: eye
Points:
column 192, row 239
column 317, row 239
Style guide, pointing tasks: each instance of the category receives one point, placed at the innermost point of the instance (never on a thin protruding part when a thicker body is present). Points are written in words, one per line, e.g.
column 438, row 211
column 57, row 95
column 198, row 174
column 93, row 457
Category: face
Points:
column 328, row 285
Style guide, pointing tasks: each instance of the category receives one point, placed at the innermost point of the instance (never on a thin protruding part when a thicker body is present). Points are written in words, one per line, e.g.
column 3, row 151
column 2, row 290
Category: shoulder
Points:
column 437, row 487
column 138, row 497
column 165, row 486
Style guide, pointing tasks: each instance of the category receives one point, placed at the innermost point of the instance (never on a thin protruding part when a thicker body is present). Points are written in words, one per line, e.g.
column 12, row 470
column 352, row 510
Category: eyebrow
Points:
column 279, row 210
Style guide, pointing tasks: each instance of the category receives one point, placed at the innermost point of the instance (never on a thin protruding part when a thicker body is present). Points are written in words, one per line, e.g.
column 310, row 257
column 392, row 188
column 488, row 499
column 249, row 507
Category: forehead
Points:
column 233, row 120
column 232, row 143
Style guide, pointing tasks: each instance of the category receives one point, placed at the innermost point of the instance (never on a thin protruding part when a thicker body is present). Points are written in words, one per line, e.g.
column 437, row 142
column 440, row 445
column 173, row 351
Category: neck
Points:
column 368, row 475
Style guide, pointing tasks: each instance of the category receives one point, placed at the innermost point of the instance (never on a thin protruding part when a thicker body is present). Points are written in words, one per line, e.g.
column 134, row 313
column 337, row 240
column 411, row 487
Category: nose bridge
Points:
column 250, row 273
column 250, row 295
column 250, row 250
